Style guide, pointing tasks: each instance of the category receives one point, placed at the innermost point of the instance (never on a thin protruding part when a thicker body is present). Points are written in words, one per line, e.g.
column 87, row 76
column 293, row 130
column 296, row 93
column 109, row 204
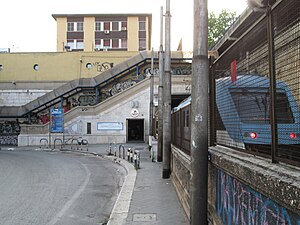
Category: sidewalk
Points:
column 153, row 200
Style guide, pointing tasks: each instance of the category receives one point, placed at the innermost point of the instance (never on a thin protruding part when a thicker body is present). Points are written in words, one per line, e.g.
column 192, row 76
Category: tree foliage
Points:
column 218, row 24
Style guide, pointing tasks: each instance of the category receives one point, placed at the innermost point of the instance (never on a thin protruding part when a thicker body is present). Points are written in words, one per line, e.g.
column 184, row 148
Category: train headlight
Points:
column 253, row 135
column 293, row 135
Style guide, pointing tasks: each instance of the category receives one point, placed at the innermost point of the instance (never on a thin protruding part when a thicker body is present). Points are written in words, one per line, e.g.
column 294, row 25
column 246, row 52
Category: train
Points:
column 243, row 107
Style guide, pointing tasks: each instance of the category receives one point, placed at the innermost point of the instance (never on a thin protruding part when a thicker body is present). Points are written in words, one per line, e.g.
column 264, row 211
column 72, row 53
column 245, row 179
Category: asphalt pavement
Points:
column 145, row 198
column 61, row 188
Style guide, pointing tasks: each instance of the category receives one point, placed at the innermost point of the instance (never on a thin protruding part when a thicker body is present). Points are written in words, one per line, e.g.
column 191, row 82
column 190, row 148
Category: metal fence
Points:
column 257, row 86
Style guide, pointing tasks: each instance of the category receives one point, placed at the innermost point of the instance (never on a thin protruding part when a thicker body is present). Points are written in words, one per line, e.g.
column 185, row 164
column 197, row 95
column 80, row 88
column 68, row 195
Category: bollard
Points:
column 115, row 149
column 109, row 153
column 128, row 154
column 121, row 151
column 131, row 156
column 136, row 158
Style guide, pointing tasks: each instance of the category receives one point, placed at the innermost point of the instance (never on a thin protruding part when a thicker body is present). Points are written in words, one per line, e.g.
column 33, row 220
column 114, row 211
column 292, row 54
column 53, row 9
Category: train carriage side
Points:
column 244, row 107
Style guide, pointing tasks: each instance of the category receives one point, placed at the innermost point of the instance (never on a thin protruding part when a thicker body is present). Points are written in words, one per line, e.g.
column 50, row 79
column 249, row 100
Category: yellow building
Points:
column 103, row 32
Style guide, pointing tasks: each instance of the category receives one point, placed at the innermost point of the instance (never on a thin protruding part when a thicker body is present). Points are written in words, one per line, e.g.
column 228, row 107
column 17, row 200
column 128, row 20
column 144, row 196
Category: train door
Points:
column 135, row 130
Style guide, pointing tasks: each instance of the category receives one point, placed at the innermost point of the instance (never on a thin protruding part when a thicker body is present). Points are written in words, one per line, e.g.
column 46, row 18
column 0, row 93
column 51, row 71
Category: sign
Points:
column 57, row 120
column 109, row 126
column 135, row 112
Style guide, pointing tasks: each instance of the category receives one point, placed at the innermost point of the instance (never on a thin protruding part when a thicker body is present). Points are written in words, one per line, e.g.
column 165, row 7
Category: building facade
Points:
column 103, row 32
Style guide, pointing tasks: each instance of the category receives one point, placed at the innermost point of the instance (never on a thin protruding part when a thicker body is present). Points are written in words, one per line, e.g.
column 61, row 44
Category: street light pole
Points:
column 167, row 97
column 199, row 116
column 160, row 90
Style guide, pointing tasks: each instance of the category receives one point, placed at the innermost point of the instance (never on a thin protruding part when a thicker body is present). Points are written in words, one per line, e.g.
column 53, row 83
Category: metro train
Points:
column 244, row 106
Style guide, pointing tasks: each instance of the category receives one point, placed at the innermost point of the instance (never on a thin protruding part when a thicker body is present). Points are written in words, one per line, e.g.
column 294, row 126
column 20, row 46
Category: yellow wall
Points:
column 58, row 66
column 89, row 33
column 61, row 33
column 133, row 33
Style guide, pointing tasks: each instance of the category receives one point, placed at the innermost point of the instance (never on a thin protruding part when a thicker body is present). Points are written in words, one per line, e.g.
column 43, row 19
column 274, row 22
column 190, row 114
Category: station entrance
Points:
column 135, row 130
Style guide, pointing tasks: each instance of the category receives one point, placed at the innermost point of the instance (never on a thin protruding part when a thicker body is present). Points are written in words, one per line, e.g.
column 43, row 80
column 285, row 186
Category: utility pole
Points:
column 199, row 116
column 167, row 97
column 151, row 99
column 160, row 89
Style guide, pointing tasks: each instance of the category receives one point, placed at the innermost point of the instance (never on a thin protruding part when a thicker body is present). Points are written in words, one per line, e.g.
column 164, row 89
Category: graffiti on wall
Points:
column 238, row 204
column 117, row 88
column 84, row 100
column 101, row 67
column 180, row 70
column 9, row 133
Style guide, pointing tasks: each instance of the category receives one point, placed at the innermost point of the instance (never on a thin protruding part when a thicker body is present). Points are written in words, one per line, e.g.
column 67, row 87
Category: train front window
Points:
column 254, row 106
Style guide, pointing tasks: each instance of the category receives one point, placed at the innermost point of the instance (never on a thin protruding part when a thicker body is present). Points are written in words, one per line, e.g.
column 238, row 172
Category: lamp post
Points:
column 167, row 97
column 199, row 116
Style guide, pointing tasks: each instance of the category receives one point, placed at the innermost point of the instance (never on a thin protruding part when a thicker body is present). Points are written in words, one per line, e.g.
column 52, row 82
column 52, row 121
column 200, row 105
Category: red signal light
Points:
column 293, row 135
column 253, row 135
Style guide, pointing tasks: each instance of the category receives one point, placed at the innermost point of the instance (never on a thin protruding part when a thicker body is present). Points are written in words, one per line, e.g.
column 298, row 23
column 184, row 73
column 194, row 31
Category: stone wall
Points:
column 243, row 189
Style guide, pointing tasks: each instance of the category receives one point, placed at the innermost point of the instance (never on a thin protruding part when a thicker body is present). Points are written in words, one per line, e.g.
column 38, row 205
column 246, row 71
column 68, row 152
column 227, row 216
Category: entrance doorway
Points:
column 135, row 130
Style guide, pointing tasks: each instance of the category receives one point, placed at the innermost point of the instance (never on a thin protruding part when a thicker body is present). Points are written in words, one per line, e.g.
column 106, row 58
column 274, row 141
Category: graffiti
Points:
column 101, row 67
column 8, row 139
column 238, row 204
column 9, row 131
column 85, row 100
column 45, row 118
column 9, row 128
column 183, row 70
column 121, row 86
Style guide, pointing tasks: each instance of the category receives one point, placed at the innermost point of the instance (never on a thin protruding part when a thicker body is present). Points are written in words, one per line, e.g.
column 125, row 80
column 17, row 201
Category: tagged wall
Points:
column 242, row 189
column 58, row 66
column 239, row 204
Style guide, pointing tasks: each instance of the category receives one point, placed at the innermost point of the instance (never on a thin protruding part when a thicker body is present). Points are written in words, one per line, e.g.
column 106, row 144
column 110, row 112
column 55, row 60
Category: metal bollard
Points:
column 121, row 151
column 136, row 158
column 131, row 156
column 115, row 149
column 128, row 154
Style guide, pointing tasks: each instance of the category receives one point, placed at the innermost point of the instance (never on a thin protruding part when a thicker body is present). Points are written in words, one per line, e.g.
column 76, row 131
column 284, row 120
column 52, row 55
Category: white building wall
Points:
column 19, row 97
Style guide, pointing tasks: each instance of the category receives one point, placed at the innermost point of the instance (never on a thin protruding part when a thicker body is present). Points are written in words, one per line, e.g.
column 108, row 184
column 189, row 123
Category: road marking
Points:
column 73, row 198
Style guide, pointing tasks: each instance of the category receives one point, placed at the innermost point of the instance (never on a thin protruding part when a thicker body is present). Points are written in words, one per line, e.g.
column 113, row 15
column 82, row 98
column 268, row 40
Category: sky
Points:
column 27, row 26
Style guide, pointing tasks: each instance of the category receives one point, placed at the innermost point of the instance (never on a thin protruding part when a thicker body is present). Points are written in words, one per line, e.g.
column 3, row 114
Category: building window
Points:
column 98, row 44
column 115, row 43
column 70, row 26
column 89, row 66
column 89, row 128
column 115, row 26
column 75, row 26
column 142, row 43
column 142, row 25
column 106, row 25
column 79, row 26
column 124, row 43
column 98, row 26
column 70, row 43
column 79, row 44
column 36, row 67
column 106, row 43
column 124, row 25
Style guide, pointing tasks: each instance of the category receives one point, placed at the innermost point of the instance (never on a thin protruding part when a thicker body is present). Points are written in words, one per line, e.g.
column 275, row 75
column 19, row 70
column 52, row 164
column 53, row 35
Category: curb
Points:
column 120, row 210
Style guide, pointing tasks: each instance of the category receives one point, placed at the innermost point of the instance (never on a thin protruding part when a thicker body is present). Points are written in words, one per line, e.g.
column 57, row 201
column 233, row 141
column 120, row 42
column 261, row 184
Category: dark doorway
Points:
column 135, row 130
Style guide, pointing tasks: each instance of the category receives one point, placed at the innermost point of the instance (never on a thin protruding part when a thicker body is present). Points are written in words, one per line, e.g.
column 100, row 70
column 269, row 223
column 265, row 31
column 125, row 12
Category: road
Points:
column 47, row 188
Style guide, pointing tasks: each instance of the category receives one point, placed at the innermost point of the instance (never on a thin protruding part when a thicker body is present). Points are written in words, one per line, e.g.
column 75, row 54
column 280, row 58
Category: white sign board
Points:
column 109, row 126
